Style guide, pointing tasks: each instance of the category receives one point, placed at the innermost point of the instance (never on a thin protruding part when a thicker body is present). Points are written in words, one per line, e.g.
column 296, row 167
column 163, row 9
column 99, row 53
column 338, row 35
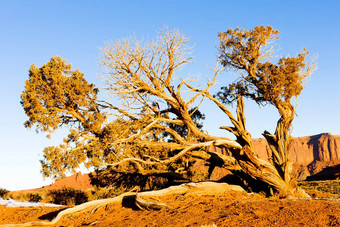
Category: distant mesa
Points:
column 310, row 154
column 76, row 181
column 322, row 147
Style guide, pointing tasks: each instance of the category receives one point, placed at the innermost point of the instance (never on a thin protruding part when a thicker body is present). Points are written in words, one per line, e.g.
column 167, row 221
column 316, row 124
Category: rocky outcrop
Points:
column 76, row 181
column 310, row 154
column 323, row 148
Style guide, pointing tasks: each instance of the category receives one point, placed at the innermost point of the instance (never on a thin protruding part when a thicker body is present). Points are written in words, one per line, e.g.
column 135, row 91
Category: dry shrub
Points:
column 34, row 197
column 19, row 196
column 4, row 193
column 322, row 189
column 105, row 193
column 67, row 196
column 126, row 181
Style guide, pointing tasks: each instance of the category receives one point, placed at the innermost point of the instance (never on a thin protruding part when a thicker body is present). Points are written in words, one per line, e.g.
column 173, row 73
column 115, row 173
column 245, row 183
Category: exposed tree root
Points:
column 143, row 204
column 203, row 188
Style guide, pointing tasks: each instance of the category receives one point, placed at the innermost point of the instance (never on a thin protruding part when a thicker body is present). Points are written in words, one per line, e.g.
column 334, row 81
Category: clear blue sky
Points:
column 33, row 31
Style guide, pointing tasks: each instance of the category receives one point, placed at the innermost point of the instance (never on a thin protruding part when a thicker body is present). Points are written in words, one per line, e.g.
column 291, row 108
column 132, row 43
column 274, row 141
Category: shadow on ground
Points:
column 50, row 216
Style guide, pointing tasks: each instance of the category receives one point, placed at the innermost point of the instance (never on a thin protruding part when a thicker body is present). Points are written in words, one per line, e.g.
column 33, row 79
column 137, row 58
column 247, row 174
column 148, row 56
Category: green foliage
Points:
column 56, row 96
column 67, row 196
column 4, row 193
column 261, row 80
column 322, row 189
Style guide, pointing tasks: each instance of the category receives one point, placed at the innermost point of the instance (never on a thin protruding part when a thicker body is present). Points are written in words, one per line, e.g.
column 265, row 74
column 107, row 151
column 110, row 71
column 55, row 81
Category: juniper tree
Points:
column 154, row 131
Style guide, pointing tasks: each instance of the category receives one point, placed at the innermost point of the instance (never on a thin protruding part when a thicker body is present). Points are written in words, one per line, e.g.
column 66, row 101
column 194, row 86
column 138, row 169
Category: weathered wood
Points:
column 203, row 188
column 143, row 204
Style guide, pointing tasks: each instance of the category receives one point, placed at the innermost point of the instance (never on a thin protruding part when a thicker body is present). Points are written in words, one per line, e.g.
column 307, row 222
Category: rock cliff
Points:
column 76, row 181
column 310, row 154
column 323, row 148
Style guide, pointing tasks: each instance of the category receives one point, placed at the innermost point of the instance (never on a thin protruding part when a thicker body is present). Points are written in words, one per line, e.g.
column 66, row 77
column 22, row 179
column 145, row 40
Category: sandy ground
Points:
column 232, row 209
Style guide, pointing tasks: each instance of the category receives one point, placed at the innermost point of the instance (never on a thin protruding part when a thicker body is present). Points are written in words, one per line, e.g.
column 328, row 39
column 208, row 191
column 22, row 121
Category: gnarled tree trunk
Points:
column 275, row 173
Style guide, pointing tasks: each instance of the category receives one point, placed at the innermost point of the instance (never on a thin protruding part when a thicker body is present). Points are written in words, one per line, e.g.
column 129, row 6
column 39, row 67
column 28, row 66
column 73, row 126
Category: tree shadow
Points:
column 315, row 143
column 50, row 216
column 130, row 202
column 328, row 173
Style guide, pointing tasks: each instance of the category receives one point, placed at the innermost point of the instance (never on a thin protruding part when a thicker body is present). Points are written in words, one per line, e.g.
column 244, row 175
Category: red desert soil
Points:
column 231, row 209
